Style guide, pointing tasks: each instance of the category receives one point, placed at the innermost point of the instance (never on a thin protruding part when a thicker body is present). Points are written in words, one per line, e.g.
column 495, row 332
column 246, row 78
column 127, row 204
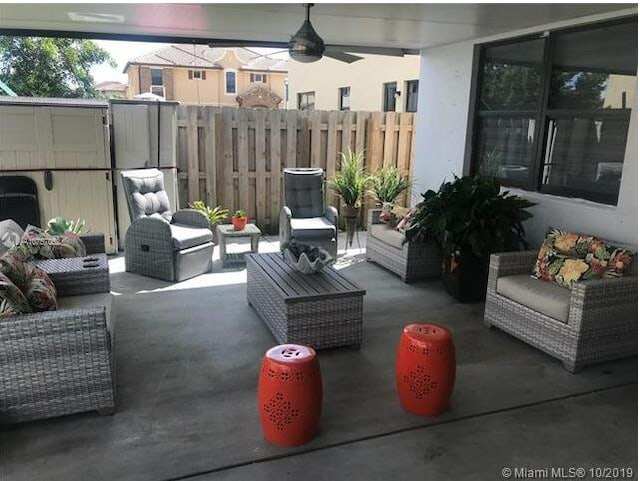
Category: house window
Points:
column 389, row 97
column 197, row 75
column 259, row 77
column 552, row 112
column 345, row 98
column 306, row 100
column 412, row 96
column 230, row 87
column 156, row 76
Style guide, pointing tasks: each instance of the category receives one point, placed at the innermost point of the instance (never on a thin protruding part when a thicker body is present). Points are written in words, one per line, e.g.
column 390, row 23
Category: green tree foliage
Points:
column 50, row 67
column 578, row 90
column 518, row 87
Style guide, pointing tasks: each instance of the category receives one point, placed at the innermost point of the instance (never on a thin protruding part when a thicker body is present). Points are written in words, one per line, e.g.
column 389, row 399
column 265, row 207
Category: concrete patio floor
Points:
column 187, row 360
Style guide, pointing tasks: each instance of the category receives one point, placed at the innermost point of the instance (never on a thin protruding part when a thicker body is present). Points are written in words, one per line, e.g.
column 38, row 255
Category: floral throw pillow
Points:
column 387, row 214
column 406, row 221
column 14, row 266
column 568, row 257
column 69, row 245
column 40, row 291
column 37, row 244
column 12, row 300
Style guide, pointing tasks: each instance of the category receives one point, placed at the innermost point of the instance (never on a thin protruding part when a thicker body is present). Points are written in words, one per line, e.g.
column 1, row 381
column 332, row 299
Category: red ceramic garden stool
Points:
column 425, row 369
column 290, row 394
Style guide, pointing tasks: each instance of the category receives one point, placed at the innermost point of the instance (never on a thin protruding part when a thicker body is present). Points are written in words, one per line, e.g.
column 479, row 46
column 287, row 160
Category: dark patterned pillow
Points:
column 12, row 300
column 40, row 291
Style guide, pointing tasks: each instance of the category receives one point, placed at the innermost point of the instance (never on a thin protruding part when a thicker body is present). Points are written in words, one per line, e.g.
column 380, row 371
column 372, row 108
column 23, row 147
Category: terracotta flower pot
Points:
column 239, row 223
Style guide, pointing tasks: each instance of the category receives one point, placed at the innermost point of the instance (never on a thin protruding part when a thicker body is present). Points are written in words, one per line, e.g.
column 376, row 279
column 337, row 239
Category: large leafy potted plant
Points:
column 351, row 185
column 470, row 218
column 387, row 184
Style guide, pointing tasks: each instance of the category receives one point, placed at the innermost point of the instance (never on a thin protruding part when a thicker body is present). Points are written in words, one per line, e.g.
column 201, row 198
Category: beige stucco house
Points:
column 375, row 83
column 210, row 76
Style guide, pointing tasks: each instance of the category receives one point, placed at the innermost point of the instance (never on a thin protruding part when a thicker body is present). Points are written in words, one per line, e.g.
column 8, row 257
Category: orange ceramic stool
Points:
column 290, row 394
column 425, row 369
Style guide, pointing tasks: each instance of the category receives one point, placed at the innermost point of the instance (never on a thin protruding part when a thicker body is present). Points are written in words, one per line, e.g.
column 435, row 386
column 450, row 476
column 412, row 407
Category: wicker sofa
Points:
column 59, row 362
column 595, row 321
column 386, row 247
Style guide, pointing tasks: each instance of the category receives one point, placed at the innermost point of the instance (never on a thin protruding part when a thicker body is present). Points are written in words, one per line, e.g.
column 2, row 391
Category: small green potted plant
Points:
column 470, row 218
column 387, row 184
column 351, row 184
column 215, row 215
column 239, row 220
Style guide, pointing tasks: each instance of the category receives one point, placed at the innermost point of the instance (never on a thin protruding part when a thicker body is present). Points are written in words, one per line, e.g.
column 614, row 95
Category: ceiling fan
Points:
column 307, row 46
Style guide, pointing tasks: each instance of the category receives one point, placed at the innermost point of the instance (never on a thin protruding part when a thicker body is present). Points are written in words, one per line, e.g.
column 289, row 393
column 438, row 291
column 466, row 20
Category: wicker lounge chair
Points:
column 304, row 216
column 411, row 261
column 595, row 321
column 159, row 243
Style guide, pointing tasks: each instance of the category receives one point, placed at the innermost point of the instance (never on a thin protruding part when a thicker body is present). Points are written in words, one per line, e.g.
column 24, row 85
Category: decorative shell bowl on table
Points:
column 304, row 264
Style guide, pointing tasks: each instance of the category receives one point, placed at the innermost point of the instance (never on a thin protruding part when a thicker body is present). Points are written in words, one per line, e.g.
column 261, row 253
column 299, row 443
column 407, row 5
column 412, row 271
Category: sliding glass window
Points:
column 552, row 112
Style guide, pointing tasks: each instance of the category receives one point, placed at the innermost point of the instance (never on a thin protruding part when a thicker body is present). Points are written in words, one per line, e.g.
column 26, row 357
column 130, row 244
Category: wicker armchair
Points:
column 596, row 321
column 411, row 261
column 304, row 217
column 159, row 243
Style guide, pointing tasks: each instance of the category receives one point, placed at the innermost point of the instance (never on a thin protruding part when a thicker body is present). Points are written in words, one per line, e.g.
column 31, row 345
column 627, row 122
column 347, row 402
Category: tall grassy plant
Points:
column 352, row 181
column 387, row 184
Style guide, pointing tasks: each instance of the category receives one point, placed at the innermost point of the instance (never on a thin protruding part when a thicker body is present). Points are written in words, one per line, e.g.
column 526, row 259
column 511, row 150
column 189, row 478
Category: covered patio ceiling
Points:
column 410, row 26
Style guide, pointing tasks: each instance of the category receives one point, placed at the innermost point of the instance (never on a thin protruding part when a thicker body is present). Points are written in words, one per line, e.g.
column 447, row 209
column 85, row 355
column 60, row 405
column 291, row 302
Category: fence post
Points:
column 210, row 157
column 192, row 155
column 276, row 168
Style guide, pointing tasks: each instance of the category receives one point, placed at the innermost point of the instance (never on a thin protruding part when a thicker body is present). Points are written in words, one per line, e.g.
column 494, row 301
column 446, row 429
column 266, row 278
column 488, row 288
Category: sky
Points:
column 123, row 51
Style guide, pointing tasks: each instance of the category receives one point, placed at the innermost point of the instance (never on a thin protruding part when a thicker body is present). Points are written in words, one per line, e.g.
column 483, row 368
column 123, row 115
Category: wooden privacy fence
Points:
column 234, row 157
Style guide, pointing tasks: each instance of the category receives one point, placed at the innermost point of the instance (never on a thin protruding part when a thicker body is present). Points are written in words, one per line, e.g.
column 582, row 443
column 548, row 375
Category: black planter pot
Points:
column 465, row 277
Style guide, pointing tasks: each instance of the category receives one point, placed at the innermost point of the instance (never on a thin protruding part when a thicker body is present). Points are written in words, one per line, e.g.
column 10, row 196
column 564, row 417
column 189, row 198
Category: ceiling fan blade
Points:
column 247, row 43
column 342, row 57
column 392, row 52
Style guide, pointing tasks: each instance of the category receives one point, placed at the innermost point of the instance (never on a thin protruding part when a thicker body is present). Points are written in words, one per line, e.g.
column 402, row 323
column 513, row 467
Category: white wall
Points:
column 443, row 106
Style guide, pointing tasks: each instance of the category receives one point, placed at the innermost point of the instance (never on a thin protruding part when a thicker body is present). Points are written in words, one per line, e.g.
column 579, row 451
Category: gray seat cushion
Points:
column 314, row 227
column 541, row 296
column 386, row 234
column 304, row 192
column 186, row 236
column 145, row 193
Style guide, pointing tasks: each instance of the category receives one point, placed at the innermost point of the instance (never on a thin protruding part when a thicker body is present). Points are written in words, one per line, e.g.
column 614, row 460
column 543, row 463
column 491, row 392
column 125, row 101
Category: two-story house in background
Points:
column 235, row 77
column 374, row 83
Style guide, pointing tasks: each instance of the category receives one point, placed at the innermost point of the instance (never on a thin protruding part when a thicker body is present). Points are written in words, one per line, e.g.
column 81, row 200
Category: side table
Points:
column 226, row 231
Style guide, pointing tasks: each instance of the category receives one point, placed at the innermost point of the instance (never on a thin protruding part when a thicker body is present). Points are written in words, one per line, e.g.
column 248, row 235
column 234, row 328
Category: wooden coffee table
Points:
column 226, row 231
column 319, row 310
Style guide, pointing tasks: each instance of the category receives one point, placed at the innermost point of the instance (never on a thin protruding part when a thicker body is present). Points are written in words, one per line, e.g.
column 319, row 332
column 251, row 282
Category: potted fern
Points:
column 351, row 185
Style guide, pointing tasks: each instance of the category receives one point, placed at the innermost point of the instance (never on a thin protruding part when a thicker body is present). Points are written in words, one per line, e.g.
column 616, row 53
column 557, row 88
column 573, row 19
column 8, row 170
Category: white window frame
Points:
column 156, row 89
column 235, row 73
column 193, row 74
